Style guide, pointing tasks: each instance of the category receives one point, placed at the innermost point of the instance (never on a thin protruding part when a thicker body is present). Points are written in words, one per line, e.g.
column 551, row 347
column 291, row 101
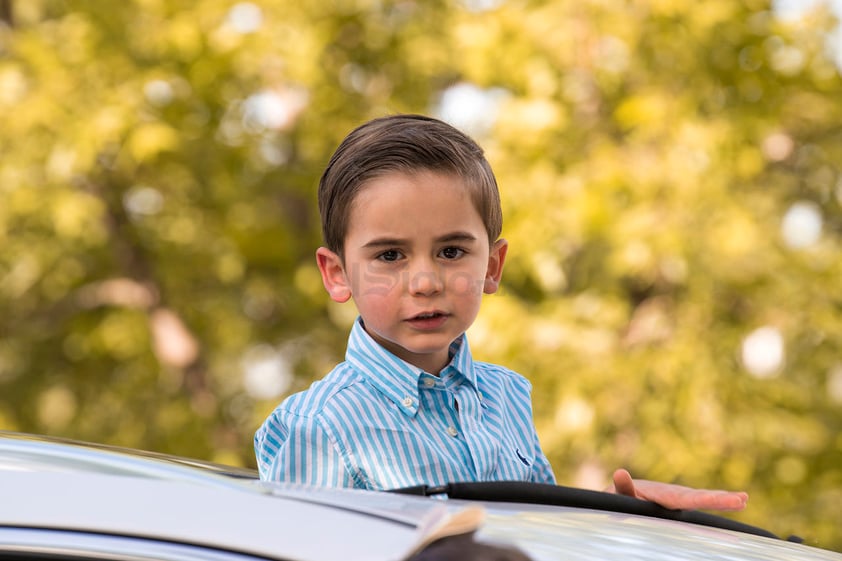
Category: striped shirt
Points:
column 377, row 422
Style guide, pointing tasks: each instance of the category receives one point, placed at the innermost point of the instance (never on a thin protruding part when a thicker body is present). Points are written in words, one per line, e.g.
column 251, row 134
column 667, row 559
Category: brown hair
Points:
column 403, row 143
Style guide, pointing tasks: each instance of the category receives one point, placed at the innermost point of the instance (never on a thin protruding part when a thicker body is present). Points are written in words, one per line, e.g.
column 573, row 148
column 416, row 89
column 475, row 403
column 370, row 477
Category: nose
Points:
column 425, row 279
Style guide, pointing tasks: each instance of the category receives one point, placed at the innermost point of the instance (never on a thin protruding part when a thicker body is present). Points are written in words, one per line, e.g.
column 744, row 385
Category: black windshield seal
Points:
column 559, row 495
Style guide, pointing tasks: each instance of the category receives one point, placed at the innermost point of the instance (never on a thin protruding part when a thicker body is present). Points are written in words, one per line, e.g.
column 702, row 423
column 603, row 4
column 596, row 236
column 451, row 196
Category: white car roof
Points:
column 248, row 520
column 26, row 452
column 71, row 487
column 553, row 533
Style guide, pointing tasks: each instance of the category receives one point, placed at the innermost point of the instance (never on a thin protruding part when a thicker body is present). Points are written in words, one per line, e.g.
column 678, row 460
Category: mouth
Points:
column 427, row 316
column 426, row 321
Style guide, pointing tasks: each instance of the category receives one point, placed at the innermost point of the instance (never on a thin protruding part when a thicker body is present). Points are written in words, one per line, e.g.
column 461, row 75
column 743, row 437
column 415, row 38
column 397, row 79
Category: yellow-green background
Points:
column 157, row 232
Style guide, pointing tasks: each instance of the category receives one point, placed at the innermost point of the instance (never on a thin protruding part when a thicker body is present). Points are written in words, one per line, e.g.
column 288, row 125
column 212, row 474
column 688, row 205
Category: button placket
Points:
column 471, row 427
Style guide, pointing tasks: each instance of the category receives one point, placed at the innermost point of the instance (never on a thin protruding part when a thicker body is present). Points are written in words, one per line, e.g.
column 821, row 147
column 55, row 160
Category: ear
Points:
column 496, row 258
column 333, row 275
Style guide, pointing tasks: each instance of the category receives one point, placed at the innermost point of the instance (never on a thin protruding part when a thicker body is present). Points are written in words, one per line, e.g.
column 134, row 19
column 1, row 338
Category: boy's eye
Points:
column 452, row 252
column 389, row 255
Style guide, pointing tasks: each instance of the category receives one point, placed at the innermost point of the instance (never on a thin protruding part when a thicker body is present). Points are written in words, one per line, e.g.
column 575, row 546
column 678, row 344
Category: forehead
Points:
column 401, row 184
column 399, row 197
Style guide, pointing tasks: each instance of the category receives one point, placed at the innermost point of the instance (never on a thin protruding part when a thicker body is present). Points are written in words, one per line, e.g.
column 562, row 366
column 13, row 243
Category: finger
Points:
column 704, row 499
column 623, row 483
column 728, row 501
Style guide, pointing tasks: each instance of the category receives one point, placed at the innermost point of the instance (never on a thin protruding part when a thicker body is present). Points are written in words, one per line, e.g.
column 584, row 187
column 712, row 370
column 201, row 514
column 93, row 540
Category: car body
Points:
column 72, row 501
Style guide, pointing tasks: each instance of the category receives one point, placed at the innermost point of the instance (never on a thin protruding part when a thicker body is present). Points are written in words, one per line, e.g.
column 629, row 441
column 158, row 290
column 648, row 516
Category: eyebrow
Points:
column 392, row 242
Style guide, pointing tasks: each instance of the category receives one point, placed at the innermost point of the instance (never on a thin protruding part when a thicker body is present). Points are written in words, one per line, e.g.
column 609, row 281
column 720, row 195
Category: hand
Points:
column 673, row 496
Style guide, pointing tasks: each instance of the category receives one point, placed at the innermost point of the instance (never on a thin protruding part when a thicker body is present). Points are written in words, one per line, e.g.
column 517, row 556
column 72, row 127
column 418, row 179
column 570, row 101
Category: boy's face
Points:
column 417, row 262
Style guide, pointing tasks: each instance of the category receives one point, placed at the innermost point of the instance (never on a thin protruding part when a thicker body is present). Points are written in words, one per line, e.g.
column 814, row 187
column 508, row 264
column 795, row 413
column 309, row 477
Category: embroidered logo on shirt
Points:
column 521, row 457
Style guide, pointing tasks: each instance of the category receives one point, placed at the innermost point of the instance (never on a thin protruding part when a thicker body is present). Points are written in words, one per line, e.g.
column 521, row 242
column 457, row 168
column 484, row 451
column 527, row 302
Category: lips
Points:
column 427, row 315
column 428, row 320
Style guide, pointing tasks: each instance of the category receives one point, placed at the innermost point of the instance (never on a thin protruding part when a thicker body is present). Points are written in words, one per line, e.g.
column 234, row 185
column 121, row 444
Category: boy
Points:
column 411, row 221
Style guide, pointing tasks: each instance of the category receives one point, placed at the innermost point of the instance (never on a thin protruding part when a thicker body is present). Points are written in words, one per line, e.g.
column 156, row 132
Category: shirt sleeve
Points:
column 512, row 395
column 297, row 448
column 542, row 471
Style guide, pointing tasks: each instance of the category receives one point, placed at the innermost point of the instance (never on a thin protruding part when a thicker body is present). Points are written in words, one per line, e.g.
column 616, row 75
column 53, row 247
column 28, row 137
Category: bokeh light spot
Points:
column 778, row 146
column 802, row 225
column 266, row 372
column 158, row 92
column 470, row 108
column 143, row 200
column 763, row 352
column 834, row 383
column 245, row 17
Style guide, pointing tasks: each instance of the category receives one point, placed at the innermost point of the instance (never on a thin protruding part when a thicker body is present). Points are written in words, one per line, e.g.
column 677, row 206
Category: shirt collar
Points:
column 395, row 378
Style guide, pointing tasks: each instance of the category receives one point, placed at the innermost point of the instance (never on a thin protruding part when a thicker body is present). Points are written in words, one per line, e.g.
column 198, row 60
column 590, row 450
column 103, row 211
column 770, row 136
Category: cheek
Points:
column 377, row 307
column 465, row 284
column 370, row 284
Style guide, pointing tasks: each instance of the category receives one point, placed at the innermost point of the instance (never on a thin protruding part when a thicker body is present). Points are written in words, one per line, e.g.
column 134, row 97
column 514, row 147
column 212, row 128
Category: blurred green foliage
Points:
column 672, row 190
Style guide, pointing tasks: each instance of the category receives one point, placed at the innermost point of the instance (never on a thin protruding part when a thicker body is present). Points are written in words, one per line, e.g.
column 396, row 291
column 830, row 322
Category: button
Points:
column 451, row 430
column 429, row 382
column 407, row 401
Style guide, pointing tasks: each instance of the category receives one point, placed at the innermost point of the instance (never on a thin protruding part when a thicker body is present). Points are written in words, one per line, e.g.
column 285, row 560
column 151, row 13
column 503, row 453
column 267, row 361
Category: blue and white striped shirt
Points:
column 377, row 422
